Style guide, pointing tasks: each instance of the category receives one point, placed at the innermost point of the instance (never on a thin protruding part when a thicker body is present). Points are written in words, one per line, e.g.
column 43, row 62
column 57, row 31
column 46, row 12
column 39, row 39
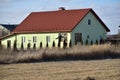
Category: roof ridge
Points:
column 62, row 10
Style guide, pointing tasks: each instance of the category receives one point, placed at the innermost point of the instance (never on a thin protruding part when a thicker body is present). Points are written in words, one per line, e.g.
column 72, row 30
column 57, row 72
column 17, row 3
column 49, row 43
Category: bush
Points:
column 70, row 44
column 53, row 45
column 96, row 41
column 91, row 43
column 40, row 44
column 29, row 46
column 86, row 42
column 34, row 46
column 22, row 46
column 15, row 46
column 47, row 45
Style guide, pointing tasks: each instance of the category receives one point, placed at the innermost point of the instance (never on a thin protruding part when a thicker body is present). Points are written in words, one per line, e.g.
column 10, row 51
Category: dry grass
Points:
column 107, row 69
column 76, row 53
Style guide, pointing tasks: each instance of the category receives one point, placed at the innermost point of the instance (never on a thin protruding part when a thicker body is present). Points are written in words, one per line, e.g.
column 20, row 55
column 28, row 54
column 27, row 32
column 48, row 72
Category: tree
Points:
column 34, row 46
column 91, row 43
column 70, row 44
column 53, row 45
column 15, row 45
column 64, row 44
column 0, row 45
column 22, row 46
column 82, row 42
column 86, row 42
column 28, row 46
column 47, row 45
column 40, row 44
column 96, row 41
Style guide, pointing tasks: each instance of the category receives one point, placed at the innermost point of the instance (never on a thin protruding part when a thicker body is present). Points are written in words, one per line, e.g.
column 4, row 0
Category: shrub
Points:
column 15, row 46
column 29, row 46
column 96, row 41
column 53, row 45
column 89, row 78
column 40, row 44
column 86, row 42
column 34, row 46
column 0, row 45
column 70, row 44
column 47, row 45
column 22, row 46
column 91, row 43
column 64, row 44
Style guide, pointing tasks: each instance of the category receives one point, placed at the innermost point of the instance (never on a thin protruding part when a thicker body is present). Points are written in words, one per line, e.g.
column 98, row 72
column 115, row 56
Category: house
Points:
column 61, row 28
column 113, row 39
column 6, row 29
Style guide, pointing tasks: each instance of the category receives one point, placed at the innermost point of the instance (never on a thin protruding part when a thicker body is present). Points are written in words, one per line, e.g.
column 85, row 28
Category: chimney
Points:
column 61, row 8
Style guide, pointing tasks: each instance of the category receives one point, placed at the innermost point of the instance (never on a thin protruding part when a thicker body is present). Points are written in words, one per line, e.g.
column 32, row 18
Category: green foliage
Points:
column 91, row 43
column 70, row 44
column 96, row 41
column 29, row 46
column 0, row 45
column 64, row 44
column 41, row 45
column 82, row 42
column 15, row 45
column 53, row 45
column 22, row 46
column 34, row 46
column 47, row 45
column 86, row 42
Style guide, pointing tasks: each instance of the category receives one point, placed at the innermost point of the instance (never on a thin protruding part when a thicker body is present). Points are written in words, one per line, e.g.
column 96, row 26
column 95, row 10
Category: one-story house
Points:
column 61, row 28
column 6, row 29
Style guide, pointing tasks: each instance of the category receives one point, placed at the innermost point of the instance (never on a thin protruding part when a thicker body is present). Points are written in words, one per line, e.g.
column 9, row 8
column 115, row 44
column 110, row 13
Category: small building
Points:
column 113, row 39
column 6, row 29
column 61, row 28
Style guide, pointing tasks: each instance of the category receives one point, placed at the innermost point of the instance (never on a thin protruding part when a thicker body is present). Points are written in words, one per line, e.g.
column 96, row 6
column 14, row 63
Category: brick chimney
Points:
column 61, row 8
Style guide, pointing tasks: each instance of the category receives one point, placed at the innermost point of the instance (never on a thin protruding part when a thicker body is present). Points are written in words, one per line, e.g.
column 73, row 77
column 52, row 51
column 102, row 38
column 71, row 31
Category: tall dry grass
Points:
column 80, row 52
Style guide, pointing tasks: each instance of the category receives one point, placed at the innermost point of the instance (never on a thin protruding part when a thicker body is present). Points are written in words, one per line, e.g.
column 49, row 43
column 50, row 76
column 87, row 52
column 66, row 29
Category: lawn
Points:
column 106, row 69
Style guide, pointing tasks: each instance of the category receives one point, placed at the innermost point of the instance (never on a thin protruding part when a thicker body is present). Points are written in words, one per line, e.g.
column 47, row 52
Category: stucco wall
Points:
column 95, row 31
column 40, row 37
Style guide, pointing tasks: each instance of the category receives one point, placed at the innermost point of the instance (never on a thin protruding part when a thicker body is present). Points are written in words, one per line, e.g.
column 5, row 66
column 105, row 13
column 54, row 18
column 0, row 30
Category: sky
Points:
column 15, row 11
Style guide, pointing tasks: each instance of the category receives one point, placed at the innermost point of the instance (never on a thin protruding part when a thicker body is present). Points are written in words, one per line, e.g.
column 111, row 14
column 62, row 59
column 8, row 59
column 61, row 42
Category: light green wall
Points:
column 4, row 41
column 41, row 37
column 95, row 30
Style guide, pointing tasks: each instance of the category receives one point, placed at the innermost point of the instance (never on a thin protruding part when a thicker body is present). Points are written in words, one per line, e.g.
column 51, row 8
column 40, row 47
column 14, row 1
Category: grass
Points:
column 106, row 69
column 75, row 53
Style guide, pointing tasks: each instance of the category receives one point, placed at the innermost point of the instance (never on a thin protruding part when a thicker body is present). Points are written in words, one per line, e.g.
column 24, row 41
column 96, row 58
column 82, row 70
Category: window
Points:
column 78, row 37
column 23, row 39
column 88, row 37
column 89, row 22
column 34, row 39
column 47, row 39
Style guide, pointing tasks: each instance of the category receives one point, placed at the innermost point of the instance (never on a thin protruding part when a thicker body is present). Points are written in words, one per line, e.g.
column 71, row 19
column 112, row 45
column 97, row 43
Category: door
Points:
column 78, row 38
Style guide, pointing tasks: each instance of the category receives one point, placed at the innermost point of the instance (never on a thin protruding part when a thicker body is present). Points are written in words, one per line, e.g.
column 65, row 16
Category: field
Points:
column 106, row 69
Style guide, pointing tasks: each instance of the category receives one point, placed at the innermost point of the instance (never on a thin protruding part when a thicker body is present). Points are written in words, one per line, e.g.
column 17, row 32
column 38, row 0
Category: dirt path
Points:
column 108, row 69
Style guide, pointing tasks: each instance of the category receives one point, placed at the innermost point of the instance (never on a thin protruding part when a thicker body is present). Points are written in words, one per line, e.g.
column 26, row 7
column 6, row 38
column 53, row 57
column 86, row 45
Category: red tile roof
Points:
column 53, row 21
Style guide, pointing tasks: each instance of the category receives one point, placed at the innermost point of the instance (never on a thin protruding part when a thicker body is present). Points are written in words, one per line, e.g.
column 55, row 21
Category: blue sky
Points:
column 15, row 11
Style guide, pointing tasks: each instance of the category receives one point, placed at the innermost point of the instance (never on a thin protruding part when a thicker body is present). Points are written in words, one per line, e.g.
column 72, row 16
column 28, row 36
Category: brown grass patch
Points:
column 75, row 53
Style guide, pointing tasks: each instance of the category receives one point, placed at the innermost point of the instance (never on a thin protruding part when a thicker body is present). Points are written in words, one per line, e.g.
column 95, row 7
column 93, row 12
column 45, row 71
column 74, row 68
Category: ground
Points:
column 107, row 69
